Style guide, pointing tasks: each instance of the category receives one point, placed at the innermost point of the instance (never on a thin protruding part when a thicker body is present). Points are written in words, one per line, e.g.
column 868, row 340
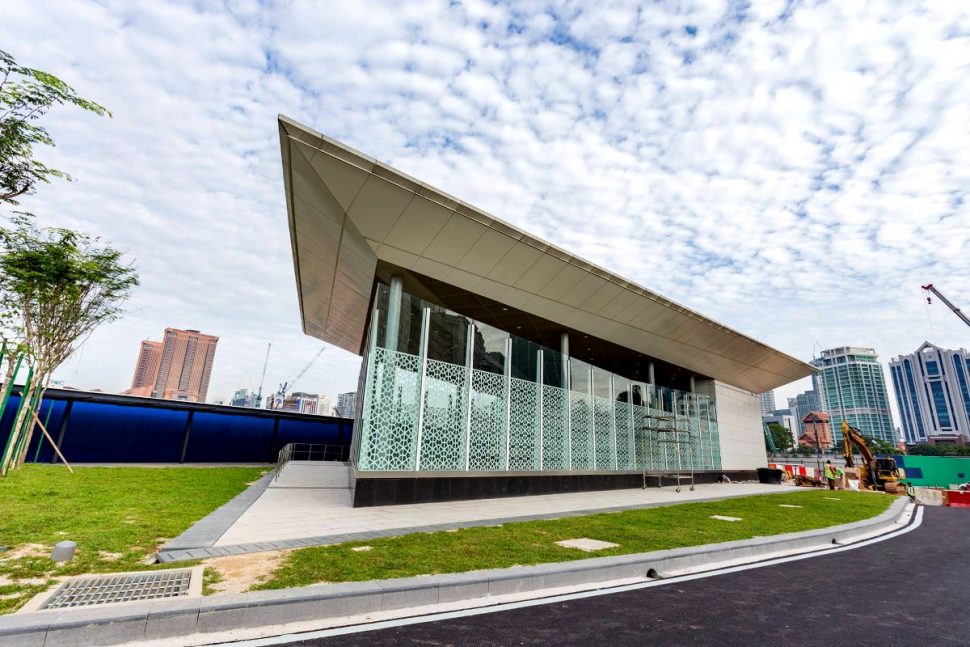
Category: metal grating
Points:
column 106, row 589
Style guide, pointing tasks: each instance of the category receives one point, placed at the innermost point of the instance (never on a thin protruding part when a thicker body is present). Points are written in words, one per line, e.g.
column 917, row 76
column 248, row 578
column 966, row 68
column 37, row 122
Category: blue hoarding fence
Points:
column 91, row 427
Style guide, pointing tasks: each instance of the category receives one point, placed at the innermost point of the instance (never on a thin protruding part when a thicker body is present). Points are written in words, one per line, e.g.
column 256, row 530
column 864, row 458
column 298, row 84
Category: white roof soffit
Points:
column 347, row 211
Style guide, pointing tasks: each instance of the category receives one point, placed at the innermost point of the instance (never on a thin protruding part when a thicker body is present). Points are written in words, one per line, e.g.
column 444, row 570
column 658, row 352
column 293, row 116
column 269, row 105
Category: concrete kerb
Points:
column 207, row 531
column 112, row 625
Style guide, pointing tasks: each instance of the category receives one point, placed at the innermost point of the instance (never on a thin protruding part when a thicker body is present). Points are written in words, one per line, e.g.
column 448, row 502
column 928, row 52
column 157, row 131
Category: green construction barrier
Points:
column 935, row 471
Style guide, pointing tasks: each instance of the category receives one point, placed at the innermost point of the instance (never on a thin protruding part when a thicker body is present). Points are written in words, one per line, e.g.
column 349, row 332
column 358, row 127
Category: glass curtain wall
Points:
column 446, row 393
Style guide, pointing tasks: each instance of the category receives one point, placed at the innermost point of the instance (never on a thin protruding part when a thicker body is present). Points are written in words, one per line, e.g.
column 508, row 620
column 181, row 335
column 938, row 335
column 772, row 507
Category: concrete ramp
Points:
column 313, row 474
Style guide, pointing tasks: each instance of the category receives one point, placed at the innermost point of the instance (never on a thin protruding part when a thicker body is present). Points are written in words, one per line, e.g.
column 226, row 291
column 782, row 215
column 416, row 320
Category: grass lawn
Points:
column 117, row 516
column 533, row 542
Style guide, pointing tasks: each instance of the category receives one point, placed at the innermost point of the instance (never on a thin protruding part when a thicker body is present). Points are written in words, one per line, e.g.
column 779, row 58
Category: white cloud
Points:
column 796, row 172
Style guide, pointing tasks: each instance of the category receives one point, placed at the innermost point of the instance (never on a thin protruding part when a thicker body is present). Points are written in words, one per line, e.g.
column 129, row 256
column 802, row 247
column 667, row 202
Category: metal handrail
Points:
column 310, row 452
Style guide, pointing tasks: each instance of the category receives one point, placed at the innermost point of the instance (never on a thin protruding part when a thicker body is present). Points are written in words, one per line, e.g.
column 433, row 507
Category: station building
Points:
column 497, row 364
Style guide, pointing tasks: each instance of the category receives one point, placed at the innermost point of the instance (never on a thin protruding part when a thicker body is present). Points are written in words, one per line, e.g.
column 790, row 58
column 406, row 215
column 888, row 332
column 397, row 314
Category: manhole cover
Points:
column 124, row 587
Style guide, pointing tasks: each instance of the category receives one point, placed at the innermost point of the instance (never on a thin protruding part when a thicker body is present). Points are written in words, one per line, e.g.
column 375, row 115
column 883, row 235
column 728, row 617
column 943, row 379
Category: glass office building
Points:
column 496, row 363
column 932, row 388
column 851, row 387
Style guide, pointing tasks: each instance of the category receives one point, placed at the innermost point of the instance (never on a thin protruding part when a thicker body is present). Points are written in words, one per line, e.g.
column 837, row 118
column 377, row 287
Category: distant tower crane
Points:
column 281, row 392
column 929, row 288
column 262, row 379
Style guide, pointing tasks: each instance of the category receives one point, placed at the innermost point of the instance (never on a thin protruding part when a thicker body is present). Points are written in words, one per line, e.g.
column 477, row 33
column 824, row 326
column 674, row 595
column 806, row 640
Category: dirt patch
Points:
column 240, row 572
column 109, row 557
column 27, row 550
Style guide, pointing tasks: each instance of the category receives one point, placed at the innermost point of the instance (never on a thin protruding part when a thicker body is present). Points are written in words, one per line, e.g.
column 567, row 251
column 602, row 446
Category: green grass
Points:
column 533, row 542
column 118, row 516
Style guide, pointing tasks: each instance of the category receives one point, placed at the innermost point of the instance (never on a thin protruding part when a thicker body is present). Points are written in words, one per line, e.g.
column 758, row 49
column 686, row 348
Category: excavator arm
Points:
column 852, row 435
column 878, row 471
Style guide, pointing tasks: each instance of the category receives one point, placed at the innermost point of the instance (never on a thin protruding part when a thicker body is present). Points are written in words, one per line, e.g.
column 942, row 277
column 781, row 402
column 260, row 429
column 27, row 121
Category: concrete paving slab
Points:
column 307, row 510
column 587, row 545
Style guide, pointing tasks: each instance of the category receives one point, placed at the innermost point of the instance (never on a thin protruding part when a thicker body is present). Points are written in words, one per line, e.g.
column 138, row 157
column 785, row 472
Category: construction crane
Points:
column 281, row 392
column 262, row 379
column 929, row 288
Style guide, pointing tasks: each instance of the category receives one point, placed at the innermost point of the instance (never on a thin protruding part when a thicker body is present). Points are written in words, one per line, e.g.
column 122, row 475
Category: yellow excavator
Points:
column 874, row 473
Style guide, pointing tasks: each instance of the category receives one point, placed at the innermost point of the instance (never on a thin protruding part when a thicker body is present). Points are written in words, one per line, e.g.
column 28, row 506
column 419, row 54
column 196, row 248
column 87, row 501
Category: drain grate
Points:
column 105, row 589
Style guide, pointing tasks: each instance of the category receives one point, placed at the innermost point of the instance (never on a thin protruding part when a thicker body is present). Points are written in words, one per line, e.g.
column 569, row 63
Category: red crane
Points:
column 929, row 288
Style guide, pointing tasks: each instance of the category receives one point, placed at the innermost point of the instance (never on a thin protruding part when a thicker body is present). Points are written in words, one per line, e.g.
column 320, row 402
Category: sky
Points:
column 795, row 170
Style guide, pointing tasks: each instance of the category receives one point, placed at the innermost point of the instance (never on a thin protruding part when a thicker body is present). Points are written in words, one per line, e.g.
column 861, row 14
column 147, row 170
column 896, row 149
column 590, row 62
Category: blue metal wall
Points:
column 104, row 428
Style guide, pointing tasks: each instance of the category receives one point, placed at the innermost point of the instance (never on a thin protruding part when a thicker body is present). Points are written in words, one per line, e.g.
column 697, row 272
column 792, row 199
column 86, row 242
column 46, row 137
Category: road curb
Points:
column 147, row 621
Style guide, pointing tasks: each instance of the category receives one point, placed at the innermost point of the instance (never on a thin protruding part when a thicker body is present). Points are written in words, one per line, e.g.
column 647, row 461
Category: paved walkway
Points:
column 310, row 505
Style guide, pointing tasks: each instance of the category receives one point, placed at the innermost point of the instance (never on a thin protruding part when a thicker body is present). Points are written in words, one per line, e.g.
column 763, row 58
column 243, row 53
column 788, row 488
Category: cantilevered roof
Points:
column 348, row 212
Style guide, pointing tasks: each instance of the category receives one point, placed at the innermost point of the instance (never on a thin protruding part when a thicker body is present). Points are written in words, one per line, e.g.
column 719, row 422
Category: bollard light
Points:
column 64, row 551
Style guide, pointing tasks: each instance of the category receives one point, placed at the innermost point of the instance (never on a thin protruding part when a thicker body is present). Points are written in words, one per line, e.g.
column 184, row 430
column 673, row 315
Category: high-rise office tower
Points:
column 933, row 393
column 851, row 387
column 767, row 403
column 347, row 404
column 185, row 366
column 146, row 368
column 802, row 403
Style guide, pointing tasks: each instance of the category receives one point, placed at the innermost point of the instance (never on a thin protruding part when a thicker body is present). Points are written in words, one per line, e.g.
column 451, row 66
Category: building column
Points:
column 564, row 351
column 592, row 412
column 692, row 385
column 391, row 333
column 469, row 367
column 422, row 372
column 539, row 380
column 616, row 458
column 651, row 375
column 508, row 399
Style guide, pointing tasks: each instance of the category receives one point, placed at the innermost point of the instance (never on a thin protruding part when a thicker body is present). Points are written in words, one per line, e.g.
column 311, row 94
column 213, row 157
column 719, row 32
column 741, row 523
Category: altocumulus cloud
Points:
column 795, row 170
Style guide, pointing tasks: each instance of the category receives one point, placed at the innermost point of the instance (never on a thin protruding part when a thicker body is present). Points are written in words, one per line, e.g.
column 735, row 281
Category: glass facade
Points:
column 451, row 394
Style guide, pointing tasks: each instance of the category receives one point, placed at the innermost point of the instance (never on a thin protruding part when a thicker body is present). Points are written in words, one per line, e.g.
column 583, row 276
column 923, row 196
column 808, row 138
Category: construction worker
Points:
column 832, row 473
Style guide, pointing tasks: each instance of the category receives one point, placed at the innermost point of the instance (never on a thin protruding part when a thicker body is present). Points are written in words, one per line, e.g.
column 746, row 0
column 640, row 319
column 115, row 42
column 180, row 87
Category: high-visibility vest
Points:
column 831, row 471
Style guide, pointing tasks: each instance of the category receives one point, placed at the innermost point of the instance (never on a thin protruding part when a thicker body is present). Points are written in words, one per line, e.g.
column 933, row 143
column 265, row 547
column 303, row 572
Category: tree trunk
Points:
column 22, row 428
column 29, row 425
column 11, row 363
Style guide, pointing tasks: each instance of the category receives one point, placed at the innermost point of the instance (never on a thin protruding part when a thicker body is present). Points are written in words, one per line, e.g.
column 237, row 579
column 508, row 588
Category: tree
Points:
column 879, row 446
column 924, row 450
column 781, row 436
column 26, row 95
column 56, row 287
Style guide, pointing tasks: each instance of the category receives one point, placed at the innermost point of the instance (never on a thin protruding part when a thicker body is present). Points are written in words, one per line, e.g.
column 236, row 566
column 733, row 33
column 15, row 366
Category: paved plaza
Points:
column 312, row 500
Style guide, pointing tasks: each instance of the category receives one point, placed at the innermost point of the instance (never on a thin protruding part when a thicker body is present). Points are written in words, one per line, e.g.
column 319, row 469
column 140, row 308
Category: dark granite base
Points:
column 426, row 489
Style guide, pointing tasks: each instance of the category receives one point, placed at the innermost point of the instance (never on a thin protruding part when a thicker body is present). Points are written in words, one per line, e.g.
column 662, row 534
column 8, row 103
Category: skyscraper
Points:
column 187, row 357
column 176, row 368
column 767, row 403
column 146, row 368
column 851, row 387
column 932, row 388
column 347, row 404
column 802, row 403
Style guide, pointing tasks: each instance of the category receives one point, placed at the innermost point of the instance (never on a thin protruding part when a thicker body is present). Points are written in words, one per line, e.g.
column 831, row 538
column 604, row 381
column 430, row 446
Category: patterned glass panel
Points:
column 520, row 425
column 603, row 423
column 524, row 426
column 486, row 450
column 625, row 450
column 555, row 455
column 581, row 431
column 445, row 408
column 390, row 420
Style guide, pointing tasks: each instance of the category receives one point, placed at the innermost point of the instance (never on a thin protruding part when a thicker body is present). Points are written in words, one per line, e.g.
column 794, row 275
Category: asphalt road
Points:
column 909, row 590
